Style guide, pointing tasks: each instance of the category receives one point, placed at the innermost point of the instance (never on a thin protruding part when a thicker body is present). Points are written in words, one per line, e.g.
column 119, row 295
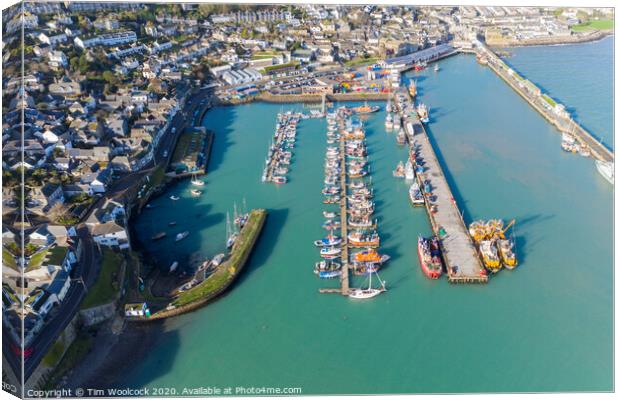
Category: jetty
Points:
column 345, row 267
column 551, row 110
column 344, row 277
column 460, row 256
column 283, row 135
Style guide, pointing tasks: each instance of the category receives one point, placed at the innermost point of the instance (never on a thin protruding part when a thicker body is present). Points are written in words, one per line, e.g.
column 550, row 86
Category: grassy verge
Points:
column 105, row 289
column 549, row 100
column 361, row 61
column 75, row 353
column 229, row 270
column 280, row 66
column 600, row 25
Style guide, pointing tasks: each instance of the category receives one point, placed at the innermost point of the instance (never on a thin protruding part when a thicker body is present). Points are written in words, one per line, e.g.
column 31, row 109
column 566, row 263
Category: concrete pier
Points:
column 534, row 96
column 460, row 256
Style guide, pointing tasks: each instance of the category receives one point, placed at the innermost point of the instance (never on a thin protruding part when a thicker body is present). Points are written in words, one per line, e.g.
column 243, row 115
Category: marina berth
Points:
column 278, row 154
column 345, row 169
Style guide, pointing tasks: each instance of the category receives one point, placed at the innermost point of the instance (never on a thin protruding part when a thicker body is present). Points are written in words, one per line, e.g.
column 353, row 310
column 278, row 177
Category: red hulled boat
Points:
column 429, row 255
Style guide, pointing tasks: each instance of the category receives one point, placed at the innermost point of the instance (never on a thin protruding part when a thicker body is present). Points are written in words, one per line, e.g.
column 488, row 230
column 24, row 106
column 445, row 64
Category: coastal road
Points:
column 86, row 270
column 84, row 275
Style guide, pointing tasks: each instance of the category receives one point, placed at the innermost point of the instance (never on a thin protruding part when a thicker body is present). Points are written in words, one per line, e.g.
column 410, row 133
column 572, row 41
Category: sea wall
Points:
column 551, row 40
column 234, row 265
column 95, row 315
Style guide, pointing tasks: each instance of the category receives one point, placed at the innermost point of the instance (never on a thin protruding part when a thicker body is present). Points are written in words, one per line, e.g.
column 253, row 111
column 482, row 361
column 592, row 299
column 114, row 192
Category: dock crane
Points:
column 501, row 233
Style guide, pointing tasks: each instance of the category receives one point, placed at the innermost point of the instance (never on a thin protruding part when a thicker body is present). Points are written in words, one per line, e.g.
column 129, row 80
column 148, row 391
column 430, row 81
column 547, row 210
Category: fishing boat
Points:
column 419, row 66
column 422, row 111
column 401, row 138
column 415, row 194
column 331, row 224
column 327, row 269
column 173, row 266
column 158, row 236
column 369, row 256
column 489, row 255
column 365, row 109
column 361, row 223
column 356, row 185
column 330, row 252
column 389, row 121
column 279, row 180
column 369, row 292
column 429, row 257
column 197, row 182
column 217, row 260
column 606, row 169
column 331, row 199
column 412, row 88
column 330, row 240
column 358, row 239
column 181, row 236
column 196, row 192
column 175, row 198
column 504, row 247
column 409, row 174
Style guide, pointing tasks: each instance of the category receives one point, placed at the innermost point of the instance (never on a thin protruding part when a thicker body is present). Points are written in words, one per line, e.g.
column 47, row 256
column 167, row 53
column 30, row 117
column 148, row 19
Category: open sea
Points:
column 545, row 326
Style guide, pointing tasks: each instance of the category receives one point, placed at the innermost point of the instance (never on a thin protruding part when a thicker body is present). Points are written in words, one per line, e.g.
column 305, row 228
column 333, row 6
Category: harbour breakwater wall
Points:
column 552, row 40
column 228, row 271
column 534, row 96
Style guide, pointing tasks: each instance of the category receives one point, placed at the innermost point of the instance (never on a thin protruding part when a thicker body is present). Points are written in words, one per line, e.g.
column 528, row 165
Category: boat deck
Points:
column 459, row 253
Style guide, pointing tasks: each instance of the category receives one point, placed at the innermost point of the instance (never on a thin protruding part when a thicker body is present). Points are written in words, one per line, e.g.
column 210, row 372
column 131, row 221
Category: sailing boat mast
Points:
column 227, row 226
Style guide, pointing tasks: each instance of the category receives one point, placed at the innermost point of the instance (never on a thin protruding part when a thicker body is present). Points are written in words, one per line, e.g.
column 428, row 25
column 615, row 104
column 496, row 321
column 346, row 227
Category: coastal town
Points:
column 109, row 110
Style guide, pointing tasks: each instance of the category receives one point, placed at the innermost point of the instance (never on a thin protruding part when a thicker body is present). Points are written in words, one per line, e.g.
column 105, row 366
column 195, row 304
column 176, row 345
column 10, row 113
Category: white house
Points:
column 57, row 59
column 110, row 234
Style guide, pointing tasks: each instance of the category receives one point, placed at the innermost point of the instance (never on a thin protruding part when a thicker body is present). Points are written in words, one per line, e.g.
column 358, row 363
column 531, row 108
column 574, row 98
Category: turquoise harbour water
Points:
column 546, row 326
column 580, row 76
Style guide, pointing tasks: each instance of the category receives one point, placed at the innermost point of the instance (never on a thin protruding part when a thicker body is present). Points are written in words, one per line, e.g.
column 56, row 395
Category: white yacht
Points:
column 606, row 169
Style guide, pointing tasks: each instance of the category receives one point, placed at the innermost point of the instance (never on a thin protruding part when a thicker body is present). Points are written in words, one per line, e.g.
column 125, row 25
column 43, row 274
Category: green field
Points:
column 599, row 25
column 105, row 289
column 361, row 61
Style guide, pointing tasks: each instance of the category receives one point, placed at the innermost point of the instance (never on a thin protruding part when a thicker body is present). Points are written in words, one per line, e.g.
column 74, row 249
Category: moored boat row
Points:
column 346, row 167
column 280, row 153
